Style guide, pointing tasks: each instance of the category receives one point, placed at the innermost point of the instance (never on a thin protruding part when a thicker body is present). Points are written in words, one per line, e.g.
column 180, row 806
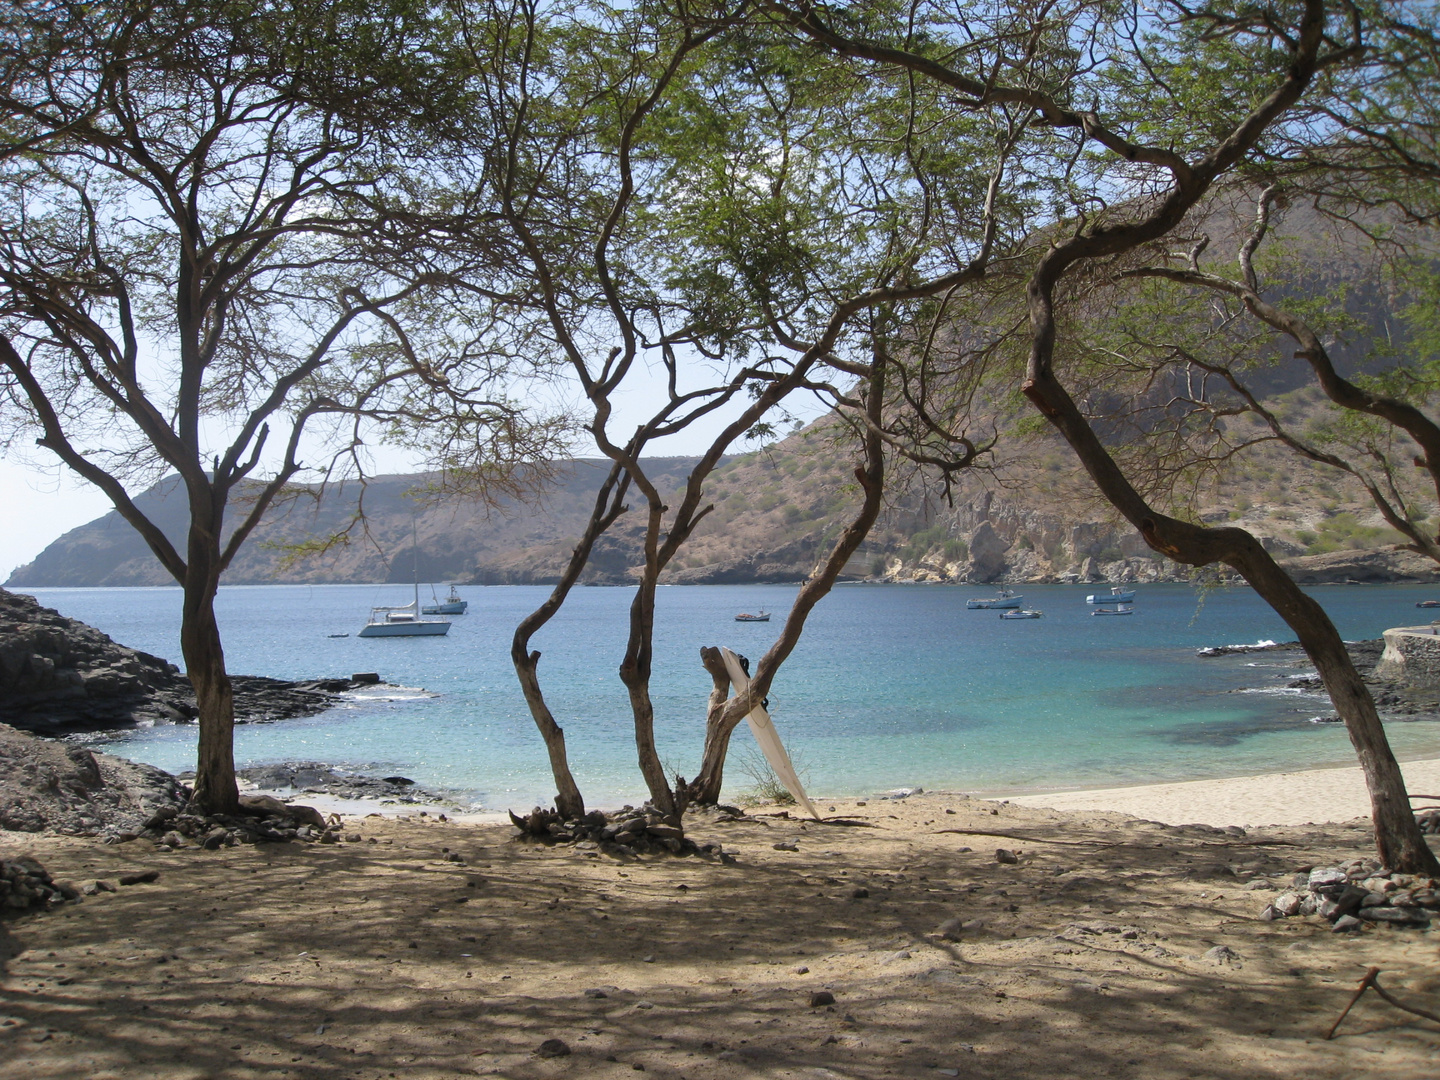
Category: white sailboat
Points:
column 405, row 621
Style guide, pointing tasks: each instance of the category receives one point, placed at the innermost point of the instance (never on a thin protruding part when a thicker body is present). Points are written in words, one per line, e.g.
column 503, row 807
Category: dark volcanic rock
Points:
column 24, row 883
column 51, row 787
column 316, row 777
column 59, row 676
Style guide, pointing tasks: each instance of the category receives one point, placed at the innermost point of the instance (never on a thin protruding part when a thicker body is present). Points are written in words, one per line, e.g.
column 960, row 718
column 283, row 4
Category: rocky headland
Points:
column 59, row 676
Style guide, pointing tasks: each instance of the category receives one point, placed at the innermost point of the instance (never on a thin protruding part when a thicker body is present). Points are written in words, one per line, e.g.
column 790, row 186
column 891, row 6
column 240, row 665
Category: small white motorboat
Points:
column 1118, row 594
column 759, row 616
column 1005, row 599
column 1123, row 609
column 1021, row 613
column 454, row 604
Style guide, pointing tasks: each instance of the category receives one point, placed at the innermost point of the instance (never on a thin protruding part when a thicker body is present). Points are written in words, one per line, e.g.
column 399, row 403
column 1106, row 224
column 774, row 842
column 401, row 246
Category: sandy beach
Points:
column 1293, row 798
column 427, row 950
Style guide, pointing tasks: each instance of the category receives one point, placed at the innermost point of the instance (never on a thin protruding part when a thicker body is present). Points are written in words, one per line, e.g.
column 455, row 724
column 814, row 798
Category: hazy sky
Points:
column 37, row 508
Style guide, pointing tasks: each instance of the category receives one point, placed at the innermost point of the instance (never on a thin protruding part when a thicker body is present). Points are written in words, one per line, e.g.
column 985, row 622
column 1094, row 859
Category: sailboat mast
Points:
column 415, row 562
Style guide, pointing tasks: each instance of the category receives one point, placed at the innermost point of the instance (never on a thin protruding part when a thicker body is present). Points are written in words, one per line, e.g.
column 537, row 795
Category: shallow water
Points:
column 891, row 685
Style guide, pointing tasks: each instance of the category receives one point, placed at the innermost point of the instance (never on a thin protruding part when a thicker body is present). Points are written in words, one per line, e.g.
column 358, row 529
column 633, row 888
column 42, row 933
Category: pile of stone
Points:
column 263, row 820
column 1359, row 892
column 25, row 884
column 627, row 832
column 56, row 787
column 62, row 788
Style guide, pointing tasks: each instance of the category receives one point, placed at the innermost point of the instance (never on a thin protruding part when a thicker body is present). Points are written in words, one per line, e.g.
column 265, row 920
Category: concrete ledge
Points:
column 1412, row 655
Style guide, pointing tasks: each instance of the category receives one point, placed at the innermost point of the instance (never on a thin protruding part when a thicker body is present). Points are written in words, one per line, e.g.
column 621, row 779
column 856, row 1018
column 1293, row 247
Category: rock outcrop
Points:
column 1378, row 567
column 57, row 672
column 59, row 676
column 49, row 786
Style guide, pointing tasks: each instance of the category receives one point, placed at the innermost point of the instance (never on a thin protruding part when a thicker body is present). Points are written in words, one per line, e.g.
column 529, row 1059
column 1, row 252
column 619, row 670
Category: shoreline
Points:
column 1330, row 795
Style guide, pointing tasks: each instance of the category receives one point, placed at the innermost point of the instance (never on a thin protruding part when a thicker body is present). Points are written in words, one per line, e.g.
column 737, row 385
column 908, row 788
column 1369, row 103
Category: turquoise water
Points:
column 891, row 685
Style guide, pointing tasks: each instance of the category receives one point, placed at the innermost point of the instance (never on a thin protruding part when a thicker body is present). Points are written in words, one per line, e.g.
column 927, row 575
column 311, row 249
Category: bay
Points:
column 891, row 685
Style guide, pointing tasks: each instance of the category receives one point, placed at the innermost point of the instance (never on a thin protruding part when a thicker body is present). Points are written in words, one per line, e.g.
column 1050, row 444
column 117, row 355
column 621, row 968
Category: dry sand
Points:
column 384, row 959
column 1295, row 798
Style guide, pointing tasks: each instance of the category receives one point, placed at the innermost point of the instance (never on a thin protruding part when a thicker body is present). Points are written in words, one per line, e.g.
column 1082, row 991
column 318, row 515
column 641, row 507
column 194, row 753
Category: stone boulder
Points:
column 987, row 553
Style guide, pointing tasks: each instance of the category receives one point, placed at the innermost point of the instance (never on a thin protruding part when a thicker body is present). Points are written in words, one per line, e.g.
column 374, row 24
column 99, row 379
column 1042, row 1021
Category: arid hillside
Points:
column 1033, row 517
column 1029, row 515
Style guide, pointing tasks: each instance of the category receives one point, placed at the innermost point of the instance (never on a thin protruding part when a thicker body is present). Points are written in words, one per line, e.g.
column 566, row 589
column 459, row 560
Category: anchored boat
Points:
column 405, row 621
column 1006, row 599
column 1117, row 595
column 1123, row 609
column 453, row 604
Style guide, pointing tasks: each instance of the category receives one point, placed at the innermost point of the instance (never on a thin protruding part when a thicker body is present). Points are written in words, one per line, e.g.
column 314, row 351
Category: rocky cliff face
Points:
column 1001, row 541
column 52, row 668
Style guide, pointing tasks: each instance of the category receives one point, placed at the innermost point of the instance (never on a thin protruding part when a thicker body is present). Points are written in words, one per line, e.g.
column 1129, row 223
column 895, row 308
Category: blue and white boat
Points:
column 1118, row 594
column 454, row 604
column 1006, row 599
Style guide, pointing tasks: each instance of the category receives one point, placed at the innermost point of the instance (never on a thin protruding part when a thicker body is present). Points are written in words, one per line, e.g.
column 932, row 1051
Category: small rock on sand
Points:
column 553, row 1048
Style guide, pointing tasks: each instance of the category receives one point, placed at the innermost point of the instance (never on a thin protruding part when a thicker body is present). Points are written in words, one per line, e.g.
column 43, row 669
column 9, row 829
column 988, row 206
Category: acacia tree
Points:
column 668, row 205
column 1355, row 160
column 1185, row 134
column 201, row 272
column 1208, row 350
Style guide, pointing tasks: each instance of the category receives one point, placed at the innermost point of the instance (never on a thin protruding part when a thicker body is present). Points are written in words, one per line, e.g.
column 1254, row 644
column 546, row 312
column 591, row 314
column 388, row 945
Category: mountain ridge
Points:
column 776, row 512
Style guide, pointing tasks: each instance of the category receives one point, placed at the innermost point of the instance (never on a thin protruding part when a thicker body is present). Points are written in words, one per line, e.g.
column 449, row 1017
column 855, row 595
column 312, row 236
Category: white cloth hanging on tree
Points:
column 763, row 728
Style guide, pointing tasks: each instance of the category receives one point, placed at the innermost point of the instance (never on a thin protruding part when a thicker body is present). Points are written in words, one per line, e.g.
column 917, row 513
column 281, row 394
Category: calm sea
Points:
column 892, row 685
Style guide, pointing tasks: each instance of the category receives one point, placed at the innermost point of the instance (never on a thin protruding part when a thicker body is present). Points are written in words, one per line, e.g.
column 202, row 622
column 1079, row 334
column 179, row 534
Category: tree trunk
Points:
column 635, row 667
column 215, row 789
column 609, row 505
column 722, row 721
column 568, row 800
column 1398, row 839
column 705, row 788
